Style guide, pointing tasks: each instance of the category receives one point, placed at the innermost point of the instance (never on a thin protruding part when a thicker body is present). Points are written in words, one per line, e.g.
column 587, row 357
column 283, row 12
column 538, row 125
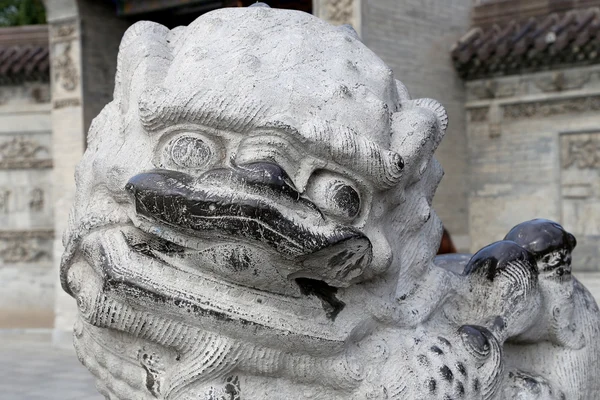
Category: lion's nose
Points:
column 269, row 174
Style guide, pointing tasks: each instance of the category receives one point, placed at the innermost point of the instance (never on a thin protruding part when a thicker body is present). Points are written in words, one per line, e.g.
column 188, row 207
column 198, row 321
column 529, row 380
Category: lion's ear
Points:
column 144, row 57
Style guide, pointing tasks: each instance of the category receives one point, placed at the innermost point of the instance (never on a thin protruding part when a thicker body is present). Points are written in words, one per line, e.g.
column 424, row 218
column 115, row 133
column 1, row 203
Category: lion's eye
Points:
column 334, row 195
column 191, row 151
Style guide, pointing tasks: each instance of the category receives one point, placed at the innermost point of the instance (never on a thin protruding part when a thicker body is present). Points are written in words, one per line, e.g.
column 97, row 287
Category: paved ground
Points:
column 31, row 369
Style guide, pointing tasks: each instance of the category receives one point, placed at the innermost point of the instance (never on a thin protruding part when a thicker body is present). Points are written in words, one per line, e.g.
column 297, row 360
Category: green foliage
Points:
column 22, row 12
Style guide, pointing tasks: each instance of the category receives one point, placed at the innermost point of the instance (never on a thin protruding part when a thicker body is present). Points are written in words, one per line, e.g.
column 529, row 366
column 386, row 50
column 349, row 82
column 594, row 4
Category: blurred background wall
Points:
column 26, row 209
column 520, row 80
column 532, row 80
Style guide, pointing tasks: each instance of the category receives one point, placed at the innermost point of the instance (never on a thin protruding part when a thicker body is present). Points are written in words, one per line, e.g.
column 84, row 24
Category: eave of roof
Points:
column 24, row 54
column 543, row 42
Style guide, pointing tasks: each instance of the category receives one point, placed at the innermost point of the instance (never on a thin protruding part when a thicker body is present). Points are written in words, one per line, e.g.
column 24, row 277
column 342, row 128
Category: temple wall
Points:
column 26, row 219
column 534, row 146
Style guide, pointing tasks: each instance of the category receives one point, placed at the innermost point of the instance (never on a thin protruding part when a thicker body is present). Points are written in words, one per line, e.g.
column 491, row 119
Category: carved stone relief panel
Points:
column 26, row 93
column 26, row 237
column 25, row 199
column 561, row 80
column 25, row 151
column 479, row 114
column 337, row 12
column 545, row 109
column 17, row 247
column 28, row 281
column 25, row 194
column 493, row 89
column 550, row 82
column 65, row 61
column 583, row 151
column 4, row 198
column 65, row 71
column 36, row 199
column 340, row 11
column 580, row 192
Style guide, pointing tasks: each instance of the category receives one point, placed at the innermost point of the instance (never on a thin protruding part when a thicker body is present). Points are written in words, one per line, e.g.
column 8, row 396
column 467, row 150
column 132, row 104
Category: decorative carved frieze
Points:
column 581, row 150
column 26, row 246
column 4, row 201
column 492, row 89
column 20, row 147
column 580, row 197
column 21, row 152
column 478, row 114
column 30, row 93
column 65, row 72
column 17, row 251
column 551, row 108
column 559, row 81
column 482, row 90
column 65, row 30
column 20, row 199
column 534, row 84
column 36, row 202
column 340, row 11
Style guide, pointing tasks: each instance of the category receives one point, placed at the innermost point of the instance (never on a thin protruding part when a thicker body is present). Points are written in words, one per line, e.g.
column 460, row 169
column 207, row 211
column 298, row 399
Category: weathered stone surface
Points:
column 253, row 221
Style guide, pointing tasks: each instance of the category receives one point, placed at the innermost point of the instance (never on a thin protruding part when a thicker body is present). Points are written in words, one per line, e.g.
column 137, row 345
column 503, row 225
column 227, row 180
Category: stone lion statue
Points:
column 253, row 221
